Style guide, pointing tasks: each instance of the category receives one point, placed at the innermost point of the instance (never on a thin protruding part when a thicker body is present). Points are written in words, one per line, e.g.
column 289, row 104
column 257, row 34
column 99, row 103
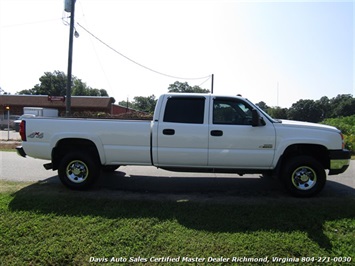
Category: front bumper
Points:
column 21, row 151
column 339, row 161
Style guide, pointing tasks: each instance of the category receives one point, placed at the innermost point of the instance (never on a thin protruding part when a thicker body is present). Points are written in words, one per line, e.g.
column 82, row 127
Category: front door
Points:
column 233, row 141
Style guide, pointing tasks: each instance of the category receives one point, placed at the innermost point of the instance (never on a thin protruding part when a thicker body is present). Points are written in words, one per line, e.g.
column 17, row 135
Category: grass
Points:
column 11, row 146
column 41, row 224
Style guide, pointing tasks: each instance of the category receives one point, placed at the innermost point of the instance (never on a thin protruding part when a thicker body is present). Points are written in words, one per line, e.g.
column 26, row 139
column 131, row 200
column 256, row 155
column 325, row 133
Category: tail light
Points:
column 23, row 130
column 342, row 141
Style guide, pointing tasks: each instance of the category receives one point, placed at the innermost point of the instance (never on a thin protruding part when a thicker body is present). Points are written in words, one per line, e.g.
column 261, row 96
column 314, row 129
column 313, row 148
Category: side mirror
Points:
column 257, row 120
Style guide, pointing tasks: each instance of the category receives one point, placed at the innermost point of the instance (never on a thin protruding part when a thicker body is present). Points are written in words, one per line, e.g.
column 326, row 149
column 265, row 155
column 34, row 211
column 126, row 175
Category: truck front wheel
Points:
column 303, row 176
column 78, row 171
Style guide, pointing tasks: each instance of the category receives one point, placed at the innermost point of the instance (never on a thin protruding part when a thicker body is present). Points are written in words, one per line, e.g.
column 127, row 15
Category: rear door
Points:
column 182, row 133
column 233, row 141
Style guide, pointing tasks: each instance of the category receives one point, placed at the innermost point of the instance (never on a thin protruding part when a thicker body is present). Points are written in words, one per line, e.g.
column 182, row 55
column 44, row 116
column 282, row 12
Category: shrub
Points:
column 347, row 127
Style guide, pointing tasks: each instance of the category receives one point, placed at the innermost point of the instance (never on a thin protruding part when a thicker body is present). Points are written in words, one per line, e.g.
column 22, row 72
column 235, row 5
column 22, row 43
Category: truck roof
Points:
column 202, row 94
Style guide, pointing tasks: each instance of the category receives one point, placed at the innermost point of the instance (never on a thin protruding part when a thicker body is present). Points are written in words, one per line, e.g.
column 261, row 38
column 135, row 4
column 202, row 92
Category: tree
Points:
column 277, row 112
column 103, row 92
column 55, row 84
column 263, row 106
column 324, row 106
column 305, row 110
column 274, row 112
column 342, row 105
column 185, row 88
column 81, row 89
column 50, row 84
column 126, row 104
column 146, row 104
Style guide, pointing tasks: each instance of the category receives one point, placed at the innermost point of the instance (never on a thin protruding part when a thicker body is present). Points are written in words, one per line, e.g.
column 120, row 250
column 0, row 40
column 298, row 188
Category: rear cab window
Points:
column 187, row 110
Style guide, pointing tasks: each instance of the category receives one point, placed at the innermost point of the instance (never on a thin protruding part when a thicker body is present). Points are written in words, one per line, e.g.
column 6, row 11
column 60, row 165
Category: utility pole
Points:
column 70, row 59
column 8, row 122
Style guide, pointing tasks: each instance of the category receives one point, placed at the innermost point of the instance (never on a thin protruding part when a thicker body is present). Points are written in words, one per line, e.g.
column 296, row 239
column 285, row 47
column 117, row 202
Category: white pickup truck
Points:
column 191, row 133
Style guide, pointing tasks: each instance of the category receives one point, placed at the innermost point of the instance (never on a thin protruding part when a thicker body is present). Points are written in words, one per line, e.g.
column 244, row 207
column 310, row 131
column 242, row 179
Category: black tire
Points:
column 303, row 176
column 78, row 171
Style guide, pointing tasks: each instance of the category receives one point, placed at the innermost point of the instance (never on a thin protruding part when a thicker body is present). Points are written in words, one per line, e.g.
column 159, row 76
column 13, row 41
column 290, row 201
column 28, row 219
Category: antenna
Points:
column 212, row 83
column 277, row 96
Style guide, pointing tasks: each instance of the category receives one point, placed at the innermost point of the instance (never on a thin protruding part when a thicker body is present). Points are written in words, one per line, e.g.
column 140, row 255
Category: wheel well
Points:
column 65, row 146
column 319, row 152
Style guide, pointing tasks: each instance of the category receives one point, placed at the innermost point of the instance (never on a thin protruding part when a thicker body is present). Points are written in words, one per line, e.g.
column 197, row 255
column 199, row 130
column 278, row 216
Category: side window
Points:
column 231, row 112
column 188, row 110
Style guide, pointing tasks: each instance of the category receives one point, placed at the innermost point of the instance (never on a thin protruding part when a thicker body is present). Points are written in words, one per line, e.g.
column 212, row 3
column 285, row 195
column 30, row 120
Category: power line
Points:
column 139, row 64
column 94, row 48
column 203, row 82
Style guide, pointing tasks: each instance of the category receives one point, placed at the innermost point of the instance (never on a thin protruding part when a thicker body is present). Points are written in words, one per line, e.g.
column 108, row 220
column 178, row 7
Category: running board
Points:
column 48, row 166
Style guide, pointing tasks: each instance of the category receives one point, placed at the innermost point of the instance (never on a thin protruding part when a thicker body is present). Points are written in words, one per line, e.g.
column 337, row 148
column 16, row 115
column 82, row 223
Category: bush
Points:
column 101, row 115
column 347, row 127
column 350, row 143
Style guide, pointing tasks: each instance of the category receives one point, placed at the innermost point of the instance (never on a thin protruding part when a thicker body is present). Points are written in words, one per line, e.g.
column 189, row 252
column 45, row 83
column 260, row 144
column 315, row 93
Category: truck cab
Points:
column 217, row 131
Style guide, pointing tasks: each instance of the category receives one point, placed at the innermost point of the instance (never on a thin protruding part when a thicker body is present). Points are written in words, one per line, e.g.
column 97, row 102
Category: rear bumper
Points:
column 21, row 151
column 339, row 161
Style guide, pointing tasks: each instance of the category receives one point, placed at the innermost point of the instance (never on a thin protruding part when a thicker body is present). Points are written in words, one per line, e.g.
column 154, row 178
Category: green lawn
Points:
column 43, row 225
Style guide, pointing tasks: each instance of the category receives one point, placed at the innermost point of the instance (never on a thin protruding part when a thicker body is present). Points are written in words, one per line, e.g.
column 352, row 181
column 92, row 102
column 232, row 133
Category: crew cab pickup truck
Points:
column 191, row 133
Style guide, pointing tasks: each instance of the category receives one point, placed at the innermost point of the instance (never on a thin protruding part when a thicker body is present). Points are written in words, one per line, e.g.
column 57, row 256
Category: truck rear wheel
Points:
column 303, row 176
column 78, row 170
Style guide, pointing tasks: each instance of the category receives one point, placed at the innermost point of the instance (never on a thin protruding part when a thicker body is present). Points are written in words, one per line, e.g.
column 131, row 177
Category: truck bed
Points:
column 123, row 141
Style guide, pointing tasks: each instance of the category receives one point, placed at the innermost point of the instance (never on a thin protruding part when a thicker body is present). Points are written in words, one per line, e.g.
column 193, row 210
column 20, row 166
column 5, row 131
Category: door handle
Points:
column 217, row 133
column 169, row 131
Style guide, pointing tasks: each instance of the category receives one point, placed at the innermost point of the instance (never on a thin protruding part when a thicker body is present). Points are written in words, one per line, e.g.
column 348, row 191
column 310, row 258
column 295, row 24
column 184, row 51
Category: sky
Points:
column 273, row 51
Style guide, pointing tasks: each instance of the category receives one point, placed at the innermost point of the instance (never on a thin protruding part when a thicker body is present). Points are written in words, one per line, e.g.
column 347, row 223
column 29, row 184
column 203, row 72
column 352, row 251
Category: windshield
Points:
column 264, row 113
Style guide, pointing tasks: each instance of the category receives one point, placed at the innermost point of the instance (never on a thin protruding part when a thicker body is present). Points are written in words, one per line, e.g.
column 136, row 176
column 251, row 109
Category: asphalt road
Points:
column 143, row 179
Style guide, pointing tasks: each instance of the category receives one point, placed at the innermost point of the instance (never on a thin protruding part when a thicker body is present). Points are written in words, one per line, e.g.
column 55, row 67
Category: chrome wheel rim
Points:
column 77, row 171
column 304, row 178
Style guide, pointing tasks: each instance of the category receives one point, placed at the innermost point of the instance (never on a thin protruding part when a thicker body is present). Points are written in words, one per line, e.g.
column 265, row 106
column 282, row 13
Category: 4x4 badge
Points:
column 38, row 135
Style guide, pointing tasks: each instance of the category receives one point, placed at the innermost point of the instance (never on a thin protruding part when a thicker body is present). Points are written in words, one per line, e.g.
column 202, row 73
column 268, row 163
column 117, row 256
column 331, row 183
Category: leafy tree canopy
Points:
column 141, row 103
column 146, row 104
column 263, row 105
column 55, row 84
column 278, row 112
column 314, row 111
column 305, row 110
column 185, row 88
